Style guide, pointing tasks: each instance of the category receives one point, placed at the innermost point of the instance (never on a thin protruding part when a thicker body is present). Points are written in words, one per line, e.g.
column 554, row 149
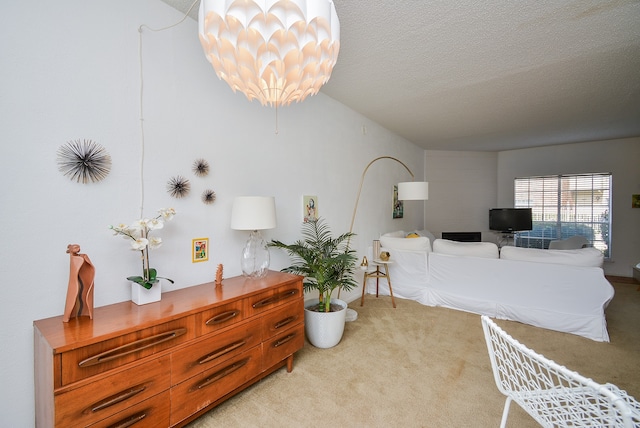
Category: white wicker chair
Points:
column 552, row 394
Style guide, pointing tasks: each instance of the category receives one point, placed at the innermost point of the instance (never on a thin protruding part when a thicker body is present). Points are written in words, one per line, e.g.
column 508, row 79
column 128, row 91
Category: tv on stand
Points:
column 510, row 220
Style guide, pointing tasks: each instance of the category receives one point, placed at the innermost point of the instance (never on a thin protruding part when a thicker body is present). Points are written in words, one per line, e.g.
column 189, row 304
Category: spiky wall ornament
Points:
column 208, row 196
column 84, row 161
column 178, row 186
column 200, row 167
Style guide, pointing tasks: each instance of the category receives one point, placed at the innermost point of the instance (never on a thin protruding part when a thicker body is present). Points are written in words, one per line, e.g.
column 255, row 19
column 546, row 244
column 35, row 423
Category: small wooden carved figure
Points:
column 80, row 290
column 219, row 275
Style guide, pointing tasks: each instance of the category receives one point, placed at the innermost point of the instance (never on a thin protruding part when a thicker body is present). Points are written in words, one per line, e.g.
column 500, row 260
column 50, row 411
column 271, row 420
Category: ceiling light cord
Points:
column 141, row 111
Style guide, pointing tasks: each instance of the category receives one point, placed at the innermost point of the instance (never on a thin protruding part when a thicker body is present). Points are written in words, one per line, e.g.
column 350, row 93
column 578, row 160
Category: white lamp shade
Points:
column 413, row 191
column 275, row 51
column 253, row 213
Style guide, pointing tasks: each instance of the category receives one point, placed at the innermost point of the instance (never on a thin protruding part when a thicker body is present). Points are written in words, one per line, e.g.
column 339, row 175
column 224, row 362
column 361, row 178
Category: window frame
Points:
column 565, row 205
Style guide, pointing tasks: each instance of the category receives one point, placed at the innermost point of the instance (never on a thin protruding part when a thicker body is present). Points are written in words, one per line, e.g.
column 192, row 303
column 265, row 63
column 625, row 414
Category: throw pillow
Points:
column 582, row 257
column 487, row 250
column 391, row 242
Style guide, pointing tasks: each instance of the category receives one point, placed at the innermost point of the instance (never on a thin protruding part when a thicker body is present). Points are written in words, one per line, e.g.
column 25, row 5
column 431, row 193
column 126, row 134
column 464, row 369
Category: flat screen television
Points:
column 509, row 220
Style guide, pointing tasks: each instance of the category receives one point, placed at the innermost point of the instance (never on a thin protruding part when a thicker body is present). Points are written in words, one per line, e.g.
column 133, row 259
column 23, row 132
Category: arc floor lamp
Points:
column 407, row 191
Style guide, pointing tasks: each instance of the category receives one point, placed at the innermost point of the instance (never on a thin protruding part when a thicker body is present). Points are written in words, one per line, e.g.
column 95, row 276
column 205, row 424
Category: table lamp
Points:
column 254, row 213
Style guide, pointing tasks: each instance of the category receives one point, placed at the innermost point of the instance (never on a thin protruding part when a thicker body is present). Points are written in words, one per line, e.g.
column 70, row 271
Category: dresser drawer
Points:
column 278, row 296
column 281, row 346
column 283, row 318
column 111, row 394
column 153, row 412
column 213, row 350
column 102, row 356
column 222, row 316
column 213, row 384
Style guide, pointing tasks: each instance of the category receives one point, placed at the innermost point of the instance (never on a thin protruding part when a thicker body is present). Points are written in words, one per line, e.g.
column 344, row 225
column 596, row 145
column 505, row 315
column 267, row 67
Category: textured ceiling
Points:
column 489, row 75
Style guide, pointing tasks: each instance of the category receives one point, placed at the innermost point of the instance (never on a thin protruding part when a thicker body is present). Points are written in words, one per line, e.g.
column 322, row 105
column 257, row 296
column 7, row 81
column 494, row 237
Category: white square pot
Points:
column 142, row 296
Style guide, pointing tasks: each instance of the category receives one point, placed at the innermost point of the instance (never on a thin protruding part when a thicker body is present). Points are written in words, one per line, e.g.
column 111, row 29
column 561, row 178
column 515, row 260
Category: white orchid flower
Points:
column 155, row 242
column 138, row 235
column 155, row 224
column 167, row 213
column 140, row 224
column 139, row 244
column 121, row 228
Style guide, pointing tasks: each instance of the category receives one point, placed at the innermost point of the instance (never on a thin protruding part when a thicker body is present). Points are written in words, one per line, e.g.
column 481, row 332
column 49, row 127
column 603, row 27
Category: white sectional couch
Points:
column 563, row 290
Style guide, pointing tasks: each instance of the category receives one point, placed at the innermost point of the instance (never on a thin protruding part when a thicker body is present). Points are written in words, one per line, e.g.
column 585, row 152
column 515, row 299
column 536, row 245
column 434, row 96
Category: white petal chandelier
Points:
column 275, row 51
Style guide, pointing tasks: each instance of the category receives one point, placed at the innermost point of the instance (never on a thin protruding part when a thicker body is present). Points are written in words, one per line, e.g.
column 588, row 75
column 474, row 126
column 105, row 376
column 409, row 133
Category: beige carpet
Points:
column 417, row 366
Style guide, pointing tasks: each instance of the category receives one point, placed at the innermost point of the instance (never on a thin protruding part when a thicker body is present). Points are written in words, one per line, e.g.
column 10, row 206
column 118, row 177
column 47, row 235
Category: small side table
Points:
column 377, row 274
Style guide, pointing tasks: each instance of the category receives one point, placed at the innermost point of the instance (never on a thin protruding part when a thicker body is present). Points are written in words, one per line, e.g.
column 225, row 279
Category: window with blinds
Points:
column 564, row 206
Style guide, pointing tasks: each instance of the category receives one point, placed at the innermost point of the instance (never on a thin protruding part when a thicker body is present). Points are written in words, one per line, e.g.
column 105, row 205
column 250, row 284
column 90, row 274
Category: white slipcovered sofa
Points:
column 562, row 290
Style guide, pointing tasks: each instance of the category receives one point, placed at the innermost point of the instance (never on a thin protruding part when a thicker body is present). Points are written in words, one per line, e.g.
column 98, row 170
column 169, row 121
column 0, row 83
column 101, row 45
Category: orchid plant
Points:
column 139, row 235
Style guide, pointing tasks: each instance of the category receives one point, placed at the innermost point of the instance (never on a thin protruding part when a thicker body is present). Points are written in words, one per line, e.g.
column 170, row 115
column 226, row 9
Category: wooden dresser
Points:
column 166, row 363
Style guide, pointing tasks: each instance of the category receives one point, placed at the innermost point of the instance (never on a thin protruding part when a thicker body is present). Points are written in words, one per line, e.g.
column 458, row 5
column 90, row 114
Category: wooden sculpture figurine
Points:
column 80, row 289
column 219, row 275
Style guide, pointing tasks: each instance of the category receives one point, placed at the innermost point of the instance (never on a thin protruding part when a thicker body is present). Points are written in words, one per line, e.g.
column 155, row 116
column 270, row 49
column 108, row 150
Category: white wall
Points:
column 462, row 189
column 619, row 157
column 465, row 185
column 70, row 70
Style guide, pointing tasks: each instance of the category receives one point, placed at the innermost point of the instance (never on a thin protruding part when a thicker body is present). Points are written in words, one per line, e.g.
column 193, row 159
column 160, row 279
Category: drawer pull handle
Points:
column 220, row 318
column 269, row 300
column 265, row 302
column 117, row 398
column 132, row 347
column 130, row 421
column 219, row 352
column 222, row 373
column 284, row 340
column 284, row 322
column 288, row 293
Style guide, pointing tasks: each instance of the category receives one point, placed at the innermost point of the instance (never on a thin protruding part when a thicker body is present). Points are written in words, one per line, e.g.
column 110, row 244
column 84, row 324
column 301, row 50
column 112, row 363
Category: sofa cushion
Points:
column 397, row 241
column 396, row 234
column 581, row 257
column 472, row 249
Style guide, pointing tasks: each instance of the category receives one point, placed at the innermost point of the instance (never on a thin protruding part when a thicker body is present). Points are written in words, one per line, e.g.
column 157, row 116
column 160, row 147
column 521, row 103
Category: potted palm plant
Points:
column 327, row 264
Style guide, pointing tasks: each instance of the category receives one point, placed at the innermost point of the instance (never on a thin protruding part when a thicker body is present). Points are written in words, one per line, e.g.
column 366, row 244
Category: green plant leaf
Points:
column 326, row 262
column 140, row 280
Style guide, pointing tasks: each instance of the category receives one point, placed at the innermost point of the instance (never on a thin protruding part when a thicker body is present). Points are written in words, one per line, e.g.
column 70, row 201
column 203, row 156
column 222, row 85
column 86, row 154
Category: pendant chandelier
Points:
column 275, row 51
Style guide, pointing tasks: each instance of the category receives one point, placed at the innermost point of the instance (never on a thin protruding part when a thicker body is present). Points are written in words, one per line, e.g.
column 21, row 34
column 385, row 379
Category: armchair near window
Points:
column 572, row 243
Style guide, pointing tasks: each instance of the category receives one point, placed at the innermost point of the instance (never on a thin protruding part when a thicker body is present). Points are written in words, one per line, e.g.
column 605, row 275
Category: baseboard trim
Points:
column 621, row 279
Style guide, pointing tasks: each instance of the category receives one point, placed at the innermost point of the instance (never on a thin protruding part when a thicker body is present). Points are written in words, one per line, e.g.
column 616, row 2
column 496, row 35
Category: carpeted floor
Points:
column 418, row 366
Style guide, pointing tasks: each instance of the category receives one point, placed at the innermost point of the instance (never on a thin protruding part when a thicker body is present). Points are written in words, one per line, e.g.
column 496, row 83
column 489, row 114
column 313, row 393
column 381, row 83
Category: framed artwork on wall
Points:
column 398, row 208
column 310, row 208
column 199, row 250
column 635, row 201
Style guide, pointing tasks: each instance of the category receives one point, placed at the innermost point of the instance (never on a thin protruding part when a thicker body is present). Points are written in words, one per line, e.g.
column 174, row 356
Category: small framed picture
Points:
column 310, row 208
column 199, row 250
column 398, row 207
column 635, row 201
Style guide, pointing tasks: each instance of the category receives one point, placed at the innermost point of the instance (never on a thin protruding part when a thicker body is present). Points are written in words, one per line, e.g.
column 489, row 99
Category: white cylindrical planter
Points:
column 324, row 329
column 142, row 296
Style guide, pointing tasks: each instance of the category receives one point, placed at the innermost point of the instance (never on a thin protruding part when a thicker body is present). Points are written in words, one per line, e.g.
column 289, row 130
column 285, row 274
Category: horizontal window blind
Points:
column 566, row 205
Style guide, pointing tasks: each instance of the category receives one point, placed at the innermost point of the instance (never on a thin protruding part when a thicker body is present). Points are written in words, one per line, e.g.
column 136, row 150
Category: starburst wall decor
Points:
column 208, row 196
column 178, row 186
column 84, row 161
column 200, row 167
